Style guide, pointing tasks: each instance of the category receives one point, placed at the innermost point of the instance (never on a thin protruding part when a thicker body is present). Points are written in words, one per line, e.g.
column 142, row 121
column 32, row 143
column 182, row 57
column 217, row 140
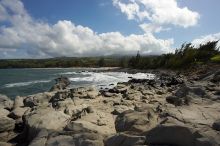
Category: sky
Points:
column 76, row 28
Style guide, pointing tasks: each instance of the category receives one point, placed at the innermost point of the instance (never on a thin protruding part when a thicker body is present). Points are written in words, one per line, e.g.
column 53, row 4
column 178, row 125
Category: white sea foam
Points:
column 68, row 73
column 19, row 84
column 106, row 78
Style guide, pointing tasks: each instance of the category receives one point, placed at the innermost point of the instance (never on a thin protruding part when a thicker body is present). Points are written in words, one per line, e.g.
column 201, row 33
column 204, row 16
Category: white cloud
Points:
column 150, row 28
column 207, row 38
column 158, row 12
column 40, row 39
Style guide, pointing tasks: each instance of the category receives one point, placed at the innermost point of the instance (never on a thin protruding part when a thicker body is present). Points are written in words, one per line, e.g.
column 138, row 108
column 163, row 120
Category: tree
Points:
column 101, row 62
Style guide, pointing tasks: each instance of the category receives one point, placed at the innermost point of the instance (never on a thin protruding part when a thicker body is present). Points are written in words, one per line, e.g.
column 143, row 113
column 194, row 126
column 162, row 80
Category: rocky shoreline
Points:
column 171, row 110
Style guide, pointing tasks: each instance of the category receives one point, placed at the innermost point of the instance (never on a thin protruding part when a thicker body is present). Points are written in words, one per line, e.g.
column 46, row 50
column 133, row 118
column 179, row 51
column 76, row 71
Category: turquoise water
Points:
column 23, row 82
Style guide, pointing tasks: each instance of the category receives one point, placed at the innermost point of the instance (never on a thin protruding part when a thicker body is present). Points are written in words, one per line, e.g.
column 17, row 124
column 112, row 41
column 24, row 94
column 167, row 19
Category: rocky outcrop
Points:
column 5, row 102
column 136, row 121
column 166, row 111
column 216, row 77
column 6, row 124
column 61, row 83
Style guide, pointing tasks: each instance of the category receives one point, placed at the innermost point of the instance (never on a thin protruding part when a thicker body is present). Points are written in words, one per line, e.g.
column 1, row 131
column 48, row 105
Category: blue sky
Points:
column 51, row 28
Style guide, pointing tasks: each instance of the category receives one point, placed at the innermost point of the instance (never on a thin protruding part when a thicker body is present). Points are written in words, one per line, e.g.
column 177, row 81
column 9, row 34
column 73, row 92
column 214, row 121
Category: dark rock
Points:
column 216, row 77
column 174, row 100
column 171, row 135
column 125, row 140
column 216, row 125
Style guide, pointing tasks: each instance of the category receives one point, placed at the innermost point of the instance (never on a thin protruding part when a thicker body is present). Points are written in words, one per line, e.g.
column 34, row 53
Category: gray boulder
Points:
column 6, row 124
column 61, row 84
column 5, row 102
column 18, row 102
column 136, row 121
column 45, row 118
column 38, row 99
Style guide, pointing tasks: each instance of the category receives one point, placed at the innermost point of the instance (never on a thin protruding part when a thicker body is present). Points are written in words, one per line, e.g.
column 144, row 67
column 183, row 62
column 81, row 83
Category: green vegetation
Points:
column 216, row 59
column 61, row 62
column 184, row 57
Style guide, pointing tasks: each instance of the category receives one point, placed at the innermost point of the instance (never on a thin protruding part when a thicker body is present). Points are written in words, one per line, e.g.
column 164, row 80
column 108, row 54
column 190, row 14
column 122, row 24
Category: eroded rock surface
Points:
column 167, row 111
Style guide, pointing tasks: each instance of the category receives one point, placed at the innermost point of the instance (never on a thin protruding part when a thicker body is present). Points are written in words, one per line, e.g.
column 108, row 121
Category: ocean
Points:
column 23, row 82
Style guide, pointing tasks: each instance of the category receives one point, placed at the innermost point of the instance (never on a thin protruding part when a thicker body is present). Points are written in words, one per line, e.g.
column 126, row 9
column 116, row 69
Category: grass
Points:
column 216, row 59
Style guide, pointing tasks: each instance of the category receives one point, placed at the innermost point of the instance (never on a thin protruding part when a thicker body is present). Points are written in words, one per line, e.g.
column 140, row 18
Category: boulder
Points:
column 38, row 99
column 92, row 94
column 81, row 139
column 119, row 109
column 5, row 102
column 76, row 111
column 216, row 77
column 84, row 92
column 18, row 112
column 125, row 140
column 137, row 96
column 5, row 144
column 18, row 102
column 3, row 112
column 172, row 135
column 45, row 118
column 216, row 125
column 185, row 94
column 136, row 121
column 175, row 100
column 61, row 95
column 6, row 124
column 98, row 122
column 61, row 83
column 40, row 139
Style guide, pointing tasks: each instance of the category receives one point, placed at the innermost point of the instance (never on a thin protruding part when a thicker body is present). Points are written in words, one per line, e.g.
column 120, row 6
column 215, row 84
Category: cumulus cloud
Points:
column 151, row 28
column 158, row 12
column 207, row 38
column 35, row 38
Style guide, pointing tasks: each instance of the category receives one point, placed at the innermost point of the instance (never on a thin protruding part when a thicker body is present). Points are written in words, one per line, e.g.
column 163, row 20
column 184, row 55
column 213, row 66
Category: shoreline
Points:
column 139, row 111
